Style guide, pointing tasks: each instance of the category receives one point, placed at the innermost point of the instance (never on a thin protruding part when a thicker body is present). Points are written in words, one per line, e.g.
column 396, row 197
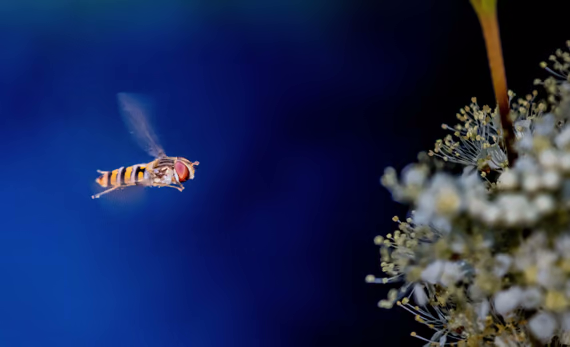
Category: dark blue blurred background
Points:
column 293, row 108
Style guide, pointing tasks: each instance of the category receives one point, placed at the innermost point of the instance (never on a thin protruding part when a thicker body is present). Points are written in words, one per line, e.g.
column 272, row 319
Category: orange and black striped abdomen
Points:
column 129, row 176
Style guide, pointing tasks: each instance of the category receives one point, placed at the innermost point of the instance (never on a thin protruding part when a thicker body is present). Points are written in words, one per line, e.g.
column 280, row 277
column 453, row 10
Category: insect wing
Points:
column 135, row 110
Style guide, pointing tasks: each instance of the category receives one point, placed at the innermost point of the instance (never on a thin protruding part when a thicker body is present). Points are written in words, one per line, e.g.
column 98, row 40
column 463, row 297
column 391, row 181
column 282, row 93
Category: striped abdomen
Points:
column 129, row 176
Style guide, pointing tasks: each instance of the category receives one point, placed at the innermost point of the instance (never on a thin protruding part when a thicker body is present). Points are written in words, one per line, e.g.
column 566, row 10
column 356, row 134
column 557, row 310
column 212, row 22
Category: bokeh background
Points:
column 292, row 107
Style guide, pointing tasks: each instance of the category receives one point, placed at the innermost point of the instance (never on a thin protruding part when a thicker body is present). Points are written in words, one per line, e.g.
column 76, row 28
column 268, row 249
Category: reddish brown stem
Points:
column 486, row 11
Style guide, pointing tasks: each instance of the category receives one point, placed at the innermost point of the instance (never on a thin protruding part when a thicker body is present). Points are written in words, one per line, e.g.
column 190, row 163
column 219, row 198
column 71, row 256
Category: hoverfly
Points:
column 163, row 171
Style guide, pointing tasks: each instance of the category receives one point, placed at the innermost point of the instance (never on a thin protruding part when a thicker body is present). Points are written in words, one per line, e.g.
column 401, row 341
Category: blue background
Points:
column 293, row 109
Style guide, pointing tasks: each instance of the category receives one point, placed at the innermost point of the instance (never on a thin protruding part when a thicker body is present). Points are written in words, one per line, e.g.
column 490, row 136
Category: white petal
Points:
column 531, row 182
column 452, row 272
column 482, row 309
column 542, row 326
column 420, row 295
column 565, row 321
column 551, row 179
column 532, row 298
column 505, row 341
column 563, row 139
column 549, row 158
column 436, row 336
column 414, row 174
column 508, row 300
column 491, row 214
column 442, row 340
column 544, row 125
column 508, row 180
column 562, row 245
column 432, row 272
column 565, row 162
column 502, row 264
column 544, row 203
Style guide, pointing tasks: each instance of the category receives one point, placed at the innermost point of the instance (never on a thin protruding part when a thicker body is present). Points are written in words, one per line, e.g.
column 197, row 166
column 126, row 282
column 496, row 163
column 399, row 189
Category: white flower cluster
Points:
column 485, row 255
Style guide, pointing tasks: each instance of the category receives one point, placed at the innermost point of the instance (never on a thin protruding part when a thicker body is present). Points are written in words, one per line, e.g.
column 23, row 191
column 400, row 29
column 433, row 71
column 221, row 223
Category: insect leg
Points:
column 175, row 187
column 104, row 192
column 171, row 186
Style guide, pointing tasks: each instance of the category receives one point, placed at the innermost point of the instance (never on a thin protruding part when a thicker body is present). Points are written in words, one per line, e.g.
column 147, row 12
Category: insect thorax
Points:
column 162, row 171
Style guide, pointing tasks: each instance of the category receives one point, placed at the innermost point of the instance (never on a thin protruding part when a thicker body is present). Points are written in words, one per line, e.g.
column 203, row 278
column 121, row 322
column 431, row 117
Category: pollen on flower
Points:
column 476, row 141
column 378, row 240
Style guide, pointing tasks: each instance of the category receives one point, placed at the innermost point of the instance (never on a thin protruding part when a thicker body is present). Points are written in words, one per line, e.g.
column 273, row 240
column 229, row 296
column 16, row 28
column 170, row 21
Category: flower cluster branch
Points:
column 483, row 258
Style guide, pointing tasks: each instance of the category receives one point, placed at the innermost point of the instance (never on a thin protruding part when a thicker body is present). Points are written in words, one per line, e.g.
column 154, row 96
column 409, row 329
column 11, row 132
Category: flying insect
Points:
column 163, row 171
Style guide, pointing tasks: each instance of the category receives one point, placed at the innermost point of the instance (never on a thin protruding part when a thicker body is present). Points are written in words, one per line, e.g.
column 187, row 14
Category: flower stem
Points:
column 487, row 13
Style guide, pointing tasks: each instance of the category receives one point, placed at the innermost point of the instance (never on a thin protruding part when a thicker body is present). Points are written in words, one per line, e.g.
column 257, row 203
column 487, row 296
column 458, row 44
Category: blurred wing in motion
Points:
column 135, row 110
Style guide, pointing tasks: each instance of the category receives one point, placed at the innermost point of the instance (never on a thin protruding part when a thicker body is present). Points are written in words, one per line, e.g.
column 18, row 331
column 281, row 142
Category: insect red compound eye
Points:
column 182, row 171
